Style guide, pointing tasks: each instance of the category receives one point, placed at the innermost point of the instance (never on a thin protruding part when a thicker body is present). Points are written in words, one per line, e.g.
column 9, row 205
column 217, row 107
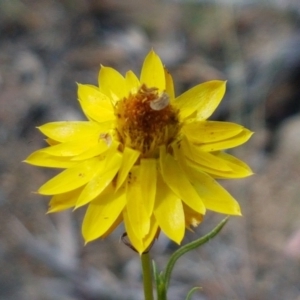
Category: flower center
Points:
column 146, row 120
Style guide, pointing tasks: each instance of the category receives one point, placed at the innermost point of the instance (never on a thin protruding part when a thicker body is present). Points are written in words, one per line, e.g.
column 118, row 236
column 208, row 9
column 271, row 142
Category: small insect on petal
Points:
column 106, row 138
column 161, row 102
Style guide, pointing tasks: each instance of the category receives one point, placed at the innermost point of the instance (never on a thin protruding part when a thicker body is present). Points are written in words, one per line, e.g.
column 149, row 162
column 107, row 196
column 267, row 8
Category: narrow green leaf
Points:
column 191, row 292
column 188, row 247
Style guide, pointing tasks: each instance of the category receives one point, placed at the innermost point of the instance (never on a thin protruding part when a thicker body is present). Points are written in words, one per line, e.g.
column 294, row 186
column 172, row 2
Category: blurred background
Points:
column 47, row 46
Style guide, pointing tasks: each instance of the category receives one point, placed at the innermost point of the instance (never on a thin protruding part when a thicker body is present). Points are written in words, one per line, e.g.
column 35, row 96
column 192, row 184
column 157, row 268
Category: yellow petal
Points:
column 203, row 99
column 93, row 151
column 136, row 242
column 102, row 214
column 112, row 83
column 96, row 105
column 64, row 201
column 132, row 82
column 141, row 245
column 148, row 183
column 210, row 131
column 42, row 159
column 235, row 141
column 72, row 148
column 238, row 167
column 215, row 173
column 183, row 159
column 169, row 85
column 107, row 170
column 71, row 178
column 168, row 212
column 51, row 142
column 130, row 156
column 213, row 195
column 116, row 223
column 202, row 158
column 178, row 182
column 152, row 234
column 153, row 74
column 69, row 130
column 137, row 214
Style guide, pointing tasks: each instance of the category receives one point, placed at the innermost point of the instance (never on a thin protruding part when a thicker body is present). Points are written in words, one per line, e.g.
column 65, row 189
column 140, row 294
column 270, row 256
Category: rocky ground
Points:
column 47, row 46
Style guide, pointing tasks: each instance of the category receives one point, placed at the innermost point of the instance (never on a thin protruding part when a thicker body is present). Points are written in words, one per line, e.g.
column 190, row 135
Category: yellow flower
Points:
column 144, row 156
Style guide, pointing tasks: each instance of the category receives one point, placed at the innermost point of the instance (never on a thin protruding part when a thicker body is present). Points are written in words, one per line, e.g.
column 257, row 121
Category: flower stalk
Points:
column 147, row 276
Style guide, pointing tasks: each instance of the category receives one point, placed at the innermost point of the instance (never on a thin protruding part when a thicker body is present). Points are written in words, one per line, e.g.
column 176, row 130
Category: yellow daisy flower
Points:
column 144, row 156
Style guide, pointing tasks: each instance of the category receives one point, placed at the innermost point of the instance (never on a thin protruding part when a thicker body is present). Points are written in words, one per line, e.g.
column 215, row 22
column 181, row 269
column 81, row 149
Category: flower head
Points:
column 144, row 156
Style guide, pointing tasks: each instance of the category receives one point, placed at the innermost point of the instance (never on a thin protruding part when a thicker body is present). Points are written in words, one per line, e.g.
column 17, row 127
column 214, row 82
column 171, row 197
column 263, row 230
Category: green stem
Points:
column 147, row 276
